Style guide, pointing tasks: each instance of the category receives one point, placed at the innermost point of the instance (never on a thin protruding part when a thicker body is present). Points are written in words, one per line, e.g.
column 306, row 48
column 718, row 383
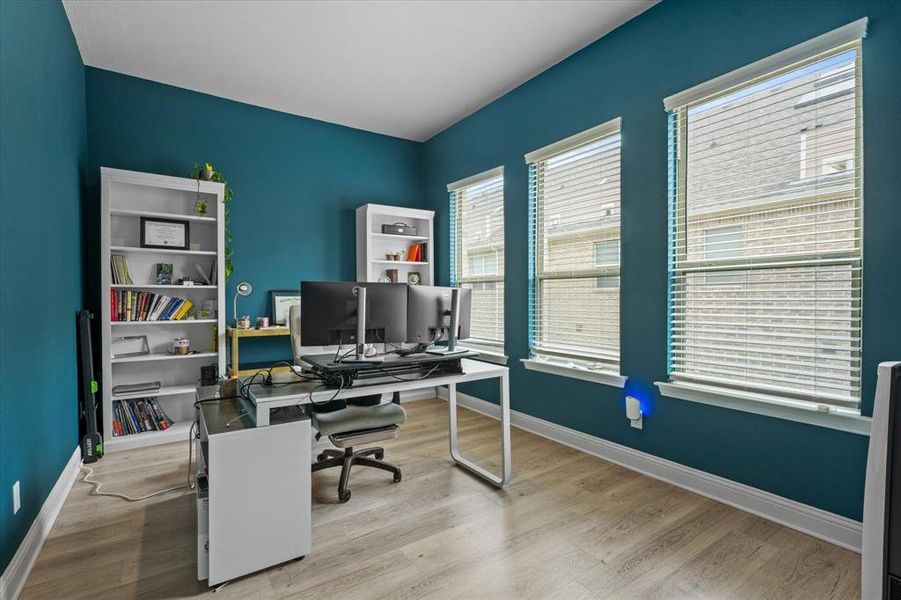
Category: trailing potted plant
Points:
column 207, row 172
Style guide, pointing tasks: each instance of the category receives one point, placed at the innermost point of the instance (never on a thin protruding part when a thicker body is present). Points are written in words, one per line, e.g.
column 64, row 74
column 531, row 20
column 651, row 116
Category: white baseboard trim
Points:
column 16, row 573
column 813, row 521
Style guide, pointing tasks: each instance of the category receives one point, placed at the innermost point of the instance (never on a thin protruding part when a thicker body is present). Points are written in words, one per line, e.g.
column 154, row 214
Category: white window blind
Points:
column 574, row 192
column 477, row 251
column 766, row 233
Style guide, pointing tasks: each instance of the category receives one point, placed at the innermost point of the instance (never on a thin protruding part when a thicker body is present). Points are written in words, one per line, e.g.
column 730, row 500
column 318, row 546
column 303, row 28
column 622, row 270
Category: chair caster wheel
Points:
column 397, row 477
column 321, row 457
column 344, row 496
column 379, row 455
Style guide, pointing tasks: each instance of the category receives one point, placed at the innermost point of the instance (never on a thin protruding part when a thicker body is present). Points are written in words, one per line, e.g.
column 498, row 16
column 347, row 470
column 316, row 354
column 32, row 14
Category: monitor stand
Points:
column 452, row 334
column 360, row 346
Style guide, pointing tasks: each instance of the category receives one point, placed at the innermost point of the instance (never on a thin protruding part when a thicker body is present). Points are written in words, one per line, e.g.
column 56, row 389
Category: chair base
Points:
column 370, row 457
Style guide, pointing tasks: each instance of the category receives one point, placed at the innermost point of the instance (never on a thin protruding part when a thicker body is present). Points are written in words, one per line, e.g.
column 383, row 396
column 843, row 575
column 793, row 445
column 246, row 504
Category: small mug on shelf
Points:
column 181, row 346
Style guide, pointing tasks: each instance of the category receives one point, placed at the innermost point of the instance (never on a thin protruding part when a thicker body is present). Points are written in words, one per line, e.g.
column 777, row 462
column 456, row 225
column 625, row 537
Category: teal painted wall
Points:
column 42, row 119
column 627, row 73
column 297, row 181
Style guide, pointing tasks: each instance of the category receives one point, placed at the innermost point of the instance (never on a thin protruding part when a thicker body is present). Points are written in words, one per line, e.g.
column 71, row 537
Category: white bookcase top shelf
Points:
column 163, row 182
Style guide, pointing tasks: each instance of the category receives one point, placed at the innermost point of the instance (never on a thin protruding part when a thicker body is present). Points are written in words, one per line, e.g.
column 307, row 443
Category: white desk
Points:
column 266, row 399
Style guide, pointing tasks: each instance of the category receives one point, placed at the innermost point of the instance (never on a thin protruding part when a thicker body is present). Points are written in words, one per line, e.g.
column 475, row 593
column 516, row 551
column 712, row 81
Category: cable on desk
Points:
column 432, row 370
column 322, row 385
column 338, row 351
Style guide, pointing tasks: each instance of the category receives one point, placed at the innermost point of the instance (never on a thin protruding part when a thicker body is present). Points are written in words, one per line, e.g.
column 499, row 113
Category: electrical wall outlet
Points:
column 17, row 498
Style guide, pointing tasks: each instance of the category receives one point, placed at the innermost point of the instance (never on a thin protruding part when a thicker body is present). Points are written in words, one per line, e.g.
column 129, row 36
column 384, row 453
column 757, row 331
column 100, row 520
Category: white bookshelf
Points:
column 126, row 196
column 373, row 245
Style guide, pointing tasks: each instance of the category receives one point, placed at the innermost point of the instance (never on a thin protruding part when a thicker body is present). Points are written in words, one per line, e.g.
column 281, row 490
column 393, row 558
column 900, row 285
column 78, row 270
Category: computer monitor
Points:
column 429, row 311
column 328, row 313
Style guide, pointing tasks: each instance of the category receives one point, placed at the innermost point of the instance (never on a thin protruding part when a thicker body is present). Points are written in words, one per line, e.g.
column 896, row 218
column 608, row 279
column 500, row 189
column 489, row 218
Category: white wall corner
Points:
column 16, row 573
column 807, row 519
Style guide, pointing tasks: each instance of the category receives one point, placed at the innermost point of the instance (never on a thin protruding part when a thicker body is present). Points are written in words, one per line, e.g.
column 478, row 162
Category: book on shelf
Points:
column 417, row 252
column 139, row 415
column 119, row 269
column 133, row 305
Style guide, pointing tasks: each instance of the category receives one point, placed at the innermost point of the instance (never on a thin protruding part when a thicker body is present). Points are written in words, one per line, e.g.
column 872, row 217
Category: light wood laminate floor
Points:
column 569, row 526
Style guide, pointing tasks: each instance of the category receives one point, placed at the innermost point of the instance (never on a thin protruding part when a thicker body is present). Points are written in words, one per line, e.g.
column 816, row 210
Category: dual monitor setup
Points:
column 336, row 313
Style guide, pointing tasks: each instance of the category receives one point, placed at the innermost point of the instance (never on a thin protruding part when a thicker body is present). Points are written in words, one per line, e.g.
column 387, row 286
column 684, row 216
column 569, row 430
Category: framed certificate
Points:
column 281, row 302
column 164, row 233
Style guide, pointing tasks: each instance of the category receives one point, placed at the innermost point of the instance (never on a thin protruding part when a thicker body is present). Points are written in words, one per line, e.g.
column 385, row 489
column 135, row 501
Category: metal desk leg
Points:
column 498, row 480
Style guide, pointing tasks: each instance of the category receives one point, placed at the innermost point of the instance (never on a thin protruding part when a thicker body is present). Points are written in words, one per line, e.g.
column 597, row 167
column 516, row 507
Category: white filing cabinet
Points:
column 253, row 492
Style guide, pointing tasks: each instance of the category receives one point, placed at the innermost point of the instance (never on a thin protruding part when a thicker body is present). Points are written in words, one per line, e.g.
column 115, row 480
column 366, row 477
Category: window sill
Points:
column 544, row 366
column 487, row 355
column 770, row 406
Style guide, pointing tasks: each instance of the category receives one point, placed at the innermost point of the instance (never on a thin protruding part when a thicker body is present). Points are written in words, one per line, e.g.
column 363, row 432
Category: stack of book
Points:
column 139, row 415
column 418, row 252
column 119, row 265
column 128, row 305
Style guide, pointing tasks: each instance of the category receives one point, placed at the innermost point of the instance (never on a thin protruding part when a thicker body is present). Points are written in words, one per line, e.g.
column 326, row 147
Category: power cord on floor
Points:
column 98, row 485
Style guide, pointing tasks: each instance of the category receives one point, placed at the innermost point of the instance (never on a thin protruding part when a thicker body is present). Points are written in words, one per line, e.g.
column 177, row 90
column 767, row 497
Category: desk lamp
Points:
column 242, row 289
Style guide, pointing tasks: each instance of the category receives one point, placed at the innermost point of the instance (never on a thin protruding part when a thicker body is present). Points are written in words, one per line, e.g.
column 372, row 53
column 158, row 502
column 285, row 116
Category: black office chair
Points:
column 364, row 420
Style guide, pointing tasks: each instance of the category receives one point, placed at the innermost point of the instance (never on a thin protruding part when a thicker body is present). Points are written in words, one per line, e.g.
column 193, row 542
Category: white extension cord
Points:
column 98, row 485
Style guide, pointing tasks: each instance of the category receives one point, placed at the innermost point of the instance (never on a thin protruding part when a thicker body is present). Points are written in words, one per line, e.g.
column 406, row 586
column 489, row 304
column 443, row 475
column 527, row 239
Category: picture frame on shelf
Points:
column 164, row 273
column 165, row 234
column 280, row 302
column 129, row 346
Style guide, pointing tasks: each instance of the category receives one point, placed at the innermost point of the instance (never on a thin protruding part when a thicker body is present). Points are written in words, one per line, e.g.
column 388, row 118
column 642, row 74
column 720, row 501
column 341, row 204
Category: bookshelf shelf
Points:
column 153, row 286
column 398, row 262
column 118, row 212
column 138, row 250
column 155, row 357
column 166, row 390
column 373, row 245
column 176, row 322
column 179, row 431
column 126, row 196
column 406, row 238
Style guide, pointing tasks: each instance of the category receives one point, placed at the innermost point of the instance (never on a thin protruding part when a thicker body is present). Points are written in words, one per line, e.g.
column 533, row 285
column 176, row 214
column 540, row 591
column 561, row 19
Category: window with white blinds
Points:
column 766, row 230
column 574, row 199
column 477, row 251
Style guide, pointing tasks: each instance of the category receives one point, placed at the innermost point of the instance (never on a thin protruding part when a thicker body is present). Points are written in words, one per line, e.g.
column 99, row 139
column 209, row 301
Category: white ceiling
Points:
column 407, row 69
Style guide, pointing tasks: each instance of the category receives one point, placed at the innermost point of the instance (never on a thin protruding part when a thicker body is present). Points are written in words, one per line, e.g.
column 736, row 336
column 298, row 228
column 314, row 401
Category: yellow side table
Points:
column 235, row 334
